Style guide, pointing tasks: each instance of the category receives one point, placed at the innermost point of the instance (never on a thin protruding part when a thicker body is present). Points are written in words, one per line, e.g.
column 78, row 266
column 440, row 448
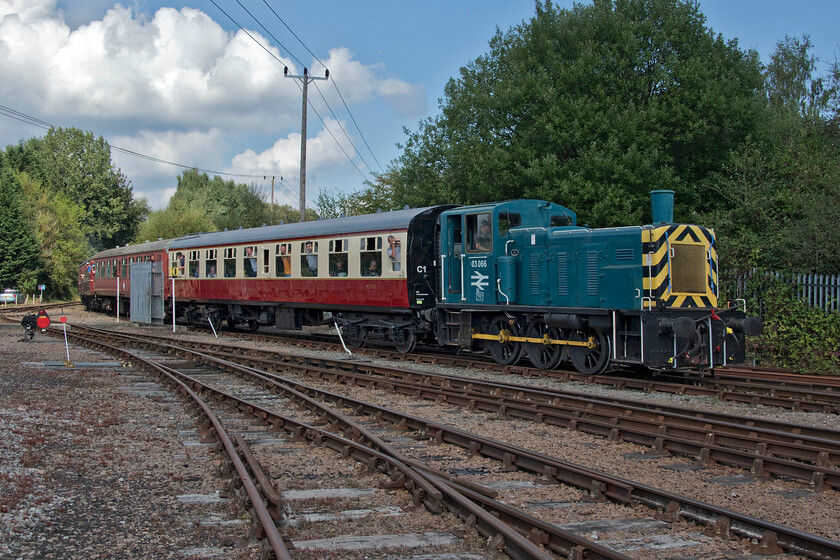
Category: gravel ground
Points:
column 92, row 469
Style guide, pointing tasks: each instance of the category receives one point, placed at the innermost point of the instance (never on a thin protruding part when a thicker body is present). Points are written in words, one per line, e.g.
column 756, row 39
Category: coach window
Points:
column 124, row 268
column 194, row 264
column 283, row 260
column 211, row 263
column 249, row 262
column 230, row 262
column 309, row 258
column 370, row 261
column 338, row 258
column 479, row 233
column 266, row 261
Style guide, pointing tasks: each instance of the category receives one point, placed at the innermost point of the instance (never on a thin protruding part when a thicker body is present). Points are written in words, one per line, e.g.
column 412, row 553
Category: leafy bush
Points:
column 796, row 335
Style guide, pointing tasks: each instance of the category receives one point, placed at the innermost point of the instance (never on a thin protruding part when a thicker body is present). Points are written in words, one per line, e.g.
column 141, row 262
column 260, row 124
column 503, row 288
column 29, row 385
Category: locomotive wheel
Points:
column 408, row 343
column 543, row 356
column 504, row 353
column 590, row 361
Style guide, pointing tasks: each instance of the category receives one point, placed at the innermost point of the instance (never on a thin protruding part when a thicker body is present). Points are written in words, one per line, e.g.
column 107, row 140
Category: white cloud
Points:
column 177, row 86
column 359, row 83
column 156, row 181
column 282, row 159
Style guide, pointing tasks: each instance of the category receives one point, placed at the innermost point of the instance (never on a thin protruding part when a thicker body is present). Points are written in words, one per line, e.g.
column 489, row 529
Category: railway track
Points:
column 765, row 448
column 751, row 386
column 515, row 402
column 32, row 308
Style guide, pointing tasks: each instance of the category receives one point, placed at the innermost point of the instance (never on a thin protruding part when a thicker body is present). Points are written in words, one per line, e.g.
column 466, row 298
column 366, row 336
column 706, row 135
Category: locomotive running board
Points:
column 504, row 337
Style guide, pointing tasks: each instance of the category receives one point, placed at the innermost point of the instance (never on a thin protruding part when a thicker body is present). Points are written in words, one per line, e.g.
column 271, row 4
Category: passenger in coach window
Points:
column 181, row 262
column 372, row 269
column 250, row 262
column 393, row 252
column 339, row 269
column 310, row 259
column 285, row 261
column 212, row 272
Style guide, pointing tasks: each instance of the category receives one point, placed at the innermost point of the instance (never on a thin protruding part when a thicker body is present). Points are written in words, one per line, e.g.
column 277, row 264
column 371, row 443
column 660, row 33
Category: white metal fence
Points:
column 818, row 290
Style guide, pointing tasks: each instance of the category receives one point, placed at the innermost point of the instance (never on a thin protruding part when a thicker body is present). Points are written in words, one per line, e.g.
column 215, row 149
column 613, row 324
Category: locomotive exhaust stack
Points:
column 662, row 207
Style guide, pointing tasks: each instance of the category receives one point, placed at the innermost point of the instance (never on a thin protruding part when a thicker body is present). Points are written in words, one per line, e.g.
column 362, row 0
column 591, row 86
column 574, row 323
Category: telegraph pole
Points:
column 305, row 79
column 272, row 191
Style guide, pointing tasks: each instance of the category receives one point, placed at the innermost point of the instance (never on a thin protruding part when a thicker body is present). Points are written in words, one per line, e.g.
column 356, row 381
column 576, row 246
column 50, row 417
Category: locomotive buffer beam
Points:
column 504, row 337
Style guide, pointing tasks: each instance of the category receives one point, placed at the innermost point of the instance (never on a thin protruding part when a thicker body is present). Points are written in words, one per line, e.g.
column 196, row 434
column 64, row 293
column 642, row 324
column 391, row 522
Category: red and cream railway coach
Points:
column 105, row 278
column 375, row 275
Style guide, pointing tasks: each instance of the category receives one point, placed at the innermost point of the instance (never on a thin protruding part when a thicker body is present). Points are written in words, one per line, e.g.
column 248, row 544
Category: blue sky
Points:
column 177, row 81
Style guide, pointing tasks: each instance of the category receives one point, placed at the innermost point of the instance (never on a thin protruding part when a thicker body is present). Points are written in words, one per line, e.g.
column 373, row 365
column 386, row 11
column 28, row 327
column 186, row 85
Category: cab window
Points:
column 561, row 220
column 508, row 221
column 480, row 232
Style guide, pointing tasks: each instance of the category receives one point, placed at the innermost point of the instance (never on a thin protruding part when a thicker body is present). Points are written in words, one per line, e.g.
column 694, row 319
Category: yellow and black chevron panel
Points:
column 680, row 265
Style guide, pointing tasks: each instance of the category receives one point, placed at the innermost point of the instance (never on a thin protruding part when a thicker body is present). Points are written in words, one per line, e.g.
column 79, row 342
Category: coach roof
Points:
column 383, row 221
column 147, row 247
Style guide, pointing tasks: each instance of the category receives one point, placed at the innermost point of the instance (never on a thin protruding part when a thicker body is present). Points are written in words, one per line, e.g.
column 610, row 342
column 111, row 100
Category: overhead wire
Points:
column 23, row 117
column 28, row 119
column 335, row 85
column 349, row 159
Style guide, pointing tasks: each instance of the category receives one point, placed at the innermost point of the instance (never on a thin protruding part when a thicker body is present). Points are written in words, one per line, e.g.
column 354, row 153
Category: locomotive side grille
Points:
column 625, row 255
column 688, row 269
column 535, row 275
column 562, row 274
column 592, row 273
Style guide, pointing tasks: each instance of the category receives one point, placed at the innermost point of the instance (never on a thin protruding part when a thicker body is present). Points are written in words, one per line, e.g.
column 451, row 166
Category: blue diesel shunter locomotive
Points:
column 522, row 278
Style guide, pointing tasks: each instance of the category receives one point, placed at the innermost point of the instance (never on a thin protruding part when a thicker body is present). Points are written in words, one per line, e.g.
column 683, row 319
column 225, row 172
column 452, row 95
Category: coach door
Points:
column 147, row 293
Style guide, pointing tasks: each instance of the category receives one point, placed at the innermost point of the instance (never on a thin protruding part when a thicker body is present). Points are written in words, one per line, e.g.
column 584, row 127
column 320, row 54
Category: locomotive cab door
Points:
column 452, row 259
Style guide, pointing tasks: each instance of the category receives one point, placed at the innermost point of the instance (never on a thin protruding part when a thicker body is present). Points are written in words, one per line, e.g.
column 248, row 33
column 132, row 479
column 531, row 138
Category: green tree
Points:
column 591, row 107
column 334, row 205
column 791, row 83
column 226, row 203
column 780, row 187
column 55, row 220
column 374, row 197
column 177, row 219
column 285, row 214
column 78, row 164
column 19, row 256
